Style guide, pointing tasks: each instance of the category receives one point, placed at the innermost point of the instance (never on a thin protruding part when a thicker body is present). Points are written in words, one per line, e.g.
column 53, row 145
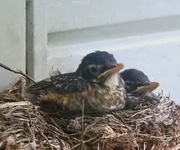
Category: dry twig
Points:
column 17, row 72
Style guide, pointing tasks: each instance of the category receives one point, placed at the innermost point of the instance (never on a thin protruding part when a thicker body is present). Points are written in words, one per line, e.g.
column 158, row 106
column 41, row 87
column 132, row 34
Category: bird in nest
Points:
column 138, row 87
column 93, row 87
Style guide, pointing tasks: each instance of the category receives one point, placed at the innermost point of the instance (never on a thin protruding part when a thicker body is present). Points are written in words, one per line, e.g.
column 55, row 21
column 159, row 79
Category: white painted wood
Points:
column 36, row 37
column 12, row 40
column 65, row 15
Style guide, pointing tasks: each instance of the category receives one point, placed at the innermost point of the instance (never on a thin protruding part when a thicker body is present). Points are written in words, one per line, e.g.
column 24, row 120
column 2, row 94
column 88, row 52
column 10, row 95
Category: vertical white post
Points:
column 36, row 39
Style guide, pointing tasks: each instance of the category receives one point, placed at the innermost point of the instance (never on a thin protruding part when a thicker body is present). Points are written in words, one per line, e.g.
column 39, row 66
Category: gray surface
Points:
column 12, row 40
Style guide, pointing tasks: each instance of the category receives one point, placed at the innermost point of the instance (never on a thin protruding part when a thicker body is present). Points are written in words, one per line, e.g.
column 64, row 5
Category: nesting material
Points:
column 148, row 127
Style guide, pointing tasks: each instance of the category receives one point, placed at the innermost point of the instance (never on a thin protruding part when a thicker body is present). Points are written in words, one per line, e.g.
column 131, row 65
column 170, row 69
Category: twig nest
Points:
column 25, row 126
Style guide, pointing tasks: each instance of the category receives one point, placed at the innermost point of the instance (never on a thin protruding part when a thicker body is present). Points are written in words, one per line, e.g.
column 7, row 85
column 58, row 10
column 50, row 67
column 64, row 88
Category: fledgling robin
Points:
column 94, row 86
column 138, row 84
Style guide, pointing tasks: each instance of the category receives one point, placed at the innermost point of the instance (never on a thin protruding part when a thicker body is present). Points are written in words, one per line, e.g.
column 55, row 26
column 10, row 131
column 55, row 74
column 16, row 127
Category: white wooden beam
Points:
column 36, row 38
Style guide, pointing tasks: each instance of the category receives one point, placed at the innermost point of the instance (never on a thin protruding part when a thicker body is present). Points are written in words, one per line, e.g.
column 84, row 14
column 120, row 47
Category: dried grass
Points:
column 25, row 126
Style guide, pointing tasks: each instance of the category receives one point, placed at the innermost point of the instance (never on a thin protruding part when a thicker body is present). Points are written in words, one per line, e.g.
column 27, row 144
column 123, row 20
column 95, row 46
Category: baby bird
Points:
column 138, row 84
column 93, row 87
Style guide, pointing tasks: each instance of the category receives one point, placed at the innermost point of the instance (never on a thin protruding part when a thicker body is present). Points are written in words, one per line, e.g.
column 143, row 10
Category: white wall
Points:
column 12, row 39
column 63, row 15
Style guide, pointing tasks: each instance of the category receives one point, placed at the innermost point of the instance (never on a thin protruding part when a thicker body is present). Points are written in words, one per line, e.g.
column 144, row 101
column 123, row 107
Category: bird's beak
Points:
column 112, row 70
column 147, row 88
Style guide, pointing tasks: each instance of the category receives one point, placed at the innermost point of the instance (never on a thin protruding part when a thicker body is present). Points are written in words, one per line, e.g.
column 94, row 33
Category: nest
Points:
column 26, row 126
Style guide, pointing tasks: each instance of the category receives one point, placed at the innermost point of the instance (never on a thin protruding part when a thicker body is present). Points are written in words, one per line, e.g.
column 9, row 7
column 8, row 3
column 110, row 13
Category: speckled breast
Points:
column 94, row 98
column 105, row 99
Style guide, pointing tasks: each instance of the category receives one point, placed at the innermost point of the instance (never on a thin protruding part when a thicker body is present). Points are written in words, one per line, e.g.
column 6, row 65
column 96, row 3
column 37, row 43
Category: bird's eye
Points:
column 93, row 70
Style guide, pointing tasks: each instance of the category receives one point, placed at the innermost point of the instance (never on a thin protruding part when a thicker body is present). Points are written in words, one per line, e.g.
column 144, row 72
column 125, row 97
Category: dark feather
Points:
column 135, row 76
column 133, row 79
column 63, row 83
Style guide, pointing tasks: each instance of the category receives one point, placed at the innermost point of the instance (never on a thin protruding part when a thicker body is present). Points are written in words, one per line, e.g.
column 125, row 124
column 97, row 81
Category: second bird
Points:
column 136, row 82
column 138, row 87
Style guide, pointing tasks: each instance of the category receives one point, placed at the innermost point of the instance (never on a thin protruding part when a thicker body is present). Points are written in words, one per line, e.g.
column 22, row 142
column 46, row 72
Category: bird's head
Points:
column 137, row 82
column 100, row 67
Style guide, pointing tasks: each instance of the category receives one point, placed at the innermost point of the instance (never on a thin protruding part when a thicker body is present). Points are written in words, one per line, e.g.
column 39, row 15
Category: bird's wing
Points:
column 63, row 83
